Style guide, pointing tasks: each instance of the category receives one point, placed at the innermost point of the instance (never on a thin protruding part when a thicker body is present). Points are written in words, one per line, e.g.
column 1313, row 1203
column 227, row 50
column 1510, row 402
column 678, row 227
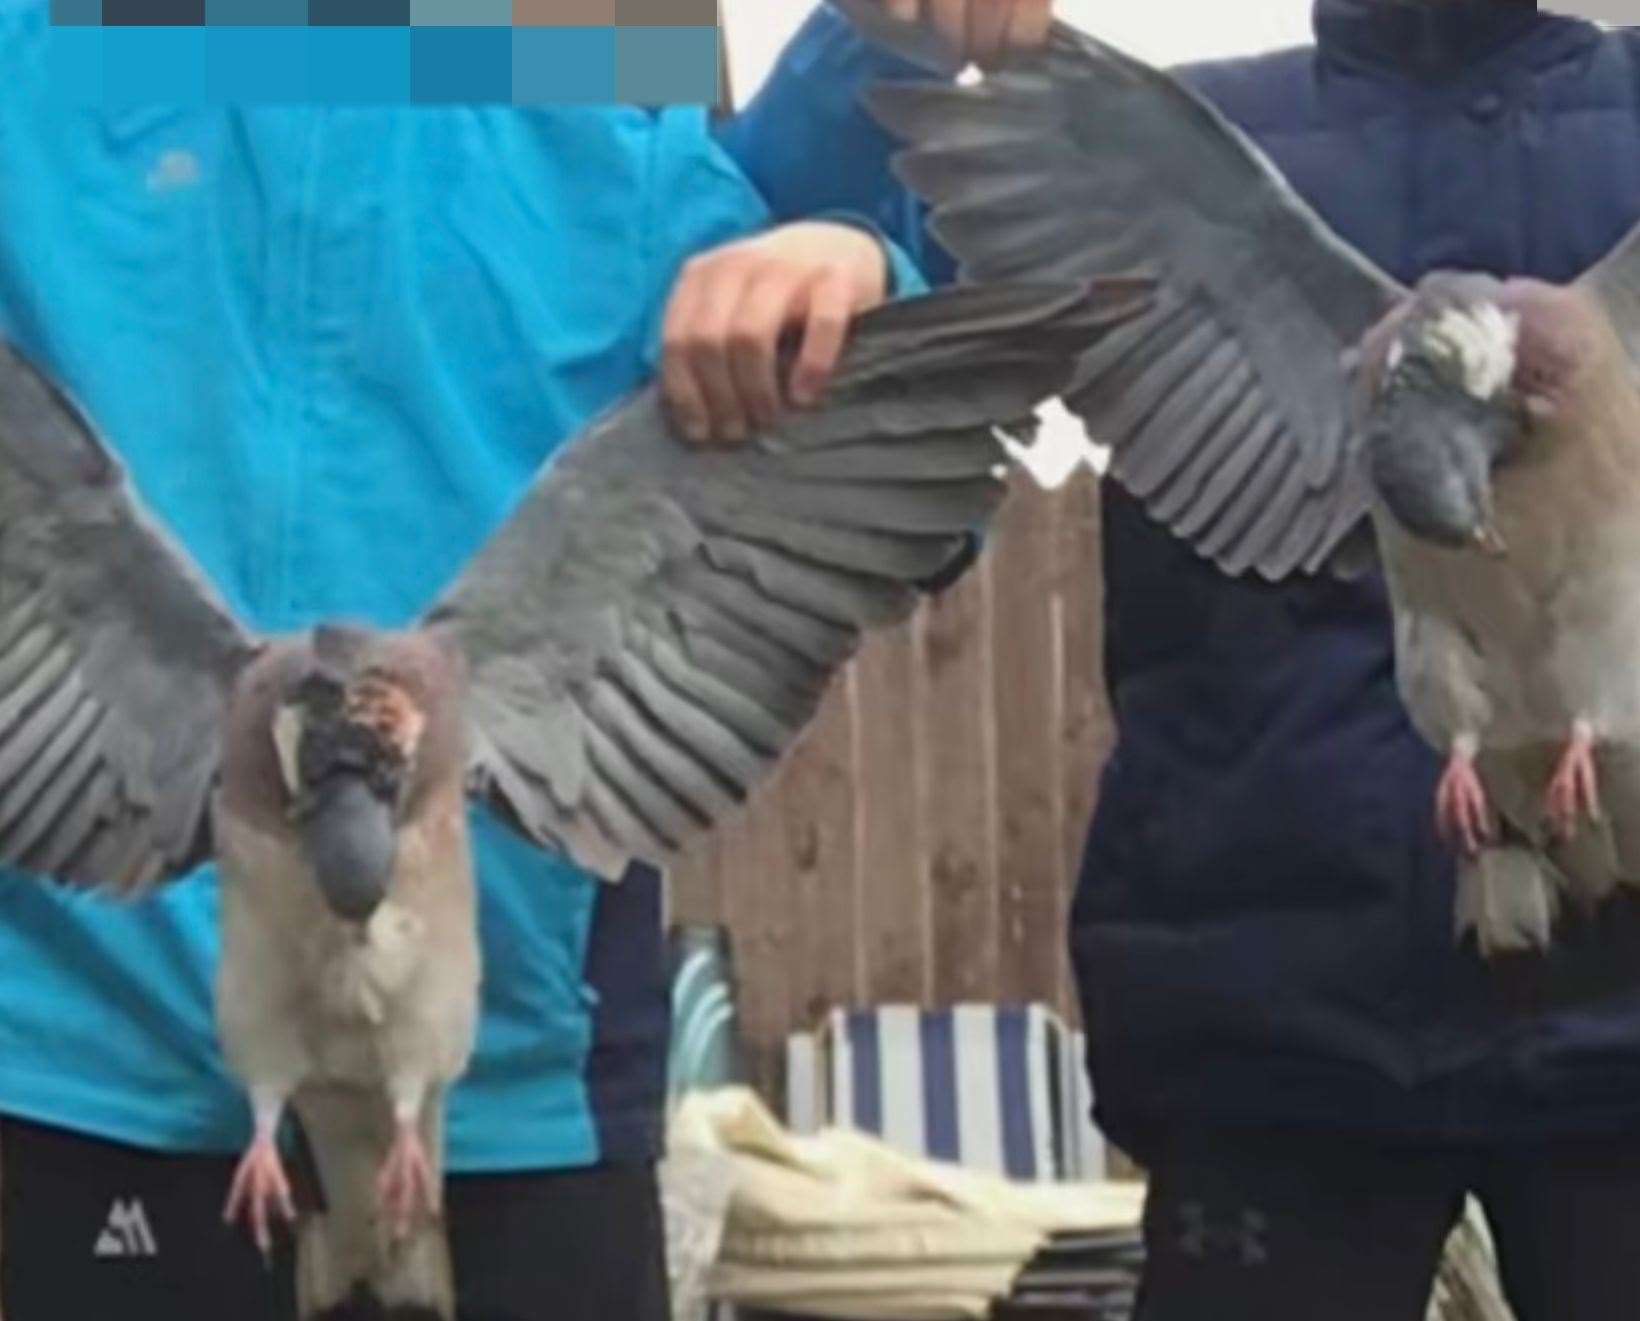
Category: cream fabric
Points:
column 840, row 1225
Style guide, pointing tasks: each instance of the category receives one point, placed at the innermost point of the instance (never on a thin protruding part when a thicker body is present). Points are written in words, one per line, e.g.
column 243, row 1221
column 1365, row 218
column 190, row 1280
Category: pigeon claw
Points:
column 260, row 1192
column 1574, row 790
column 406, row 1189
column 1462, row 815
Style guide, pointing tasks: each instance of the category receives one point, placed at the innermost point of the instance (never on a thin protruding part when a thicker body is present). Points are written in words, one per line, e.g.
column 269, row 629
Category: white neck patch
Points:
column 1481, row 339
column 287, row 742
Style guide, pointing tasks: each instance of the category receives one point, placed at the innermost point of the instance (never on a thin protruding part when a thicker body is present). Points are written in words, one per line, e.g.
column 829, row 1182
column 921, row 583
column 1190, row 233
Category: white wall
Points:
column 1161, row 31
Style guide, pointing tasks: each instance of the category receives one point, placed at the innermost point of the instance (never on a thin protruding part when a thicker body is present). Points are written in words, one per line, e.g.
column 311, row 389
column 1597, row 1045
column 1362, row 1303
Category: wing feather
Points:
column 1082, row 163
column 116, row 659
column 655, row 624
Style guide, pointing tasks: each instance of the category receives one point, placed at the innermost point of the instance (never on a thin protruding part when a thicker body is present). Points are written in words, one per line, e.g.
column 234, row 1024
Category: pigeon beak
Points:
column 1489, row 541
column 349, row 832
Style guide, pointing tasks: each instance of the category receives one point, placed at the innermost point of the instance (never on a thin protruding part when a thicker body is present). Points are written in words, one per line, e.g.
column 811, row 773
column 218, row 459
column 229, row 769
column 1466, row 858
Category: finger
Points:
column 236, row 1195
column 1483, row 822
column 1029, row 24
column 259, row 1221
column 1591, row 792
column 950, row 19
column 430, row 1189
column 707, row 351
column 287, row 1201
column 831, row 304
column 987, row 29
column 904, row 10
column 754, row 345
column 1448, row 820
column 685, row 401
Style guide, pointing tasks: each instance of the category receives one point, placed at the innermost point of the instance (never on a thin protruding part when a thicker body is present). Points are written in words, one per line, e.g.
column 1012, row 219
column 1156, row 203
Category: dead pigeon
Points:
column 1286, row 407
column 631, row 652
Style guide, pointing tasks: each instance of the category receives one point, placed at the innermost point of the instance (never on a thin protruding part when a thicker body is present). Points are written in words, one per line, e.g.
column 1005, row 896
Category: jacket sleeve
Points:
column 723, row 205
column 812, row 151
column 905, row 277
column 809, row 146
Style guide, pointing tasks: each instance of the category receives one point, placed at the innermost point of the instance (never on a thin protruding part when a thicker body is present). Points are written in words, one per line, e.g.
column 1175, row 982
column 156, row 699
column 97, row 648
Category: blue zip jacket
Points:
column 332, row 346
column 1263, row 927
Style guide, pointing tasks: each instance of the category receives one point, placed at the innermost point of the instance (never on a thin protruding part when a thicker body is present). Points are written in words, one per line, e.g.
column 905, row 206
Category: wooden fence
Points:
column 921, row 844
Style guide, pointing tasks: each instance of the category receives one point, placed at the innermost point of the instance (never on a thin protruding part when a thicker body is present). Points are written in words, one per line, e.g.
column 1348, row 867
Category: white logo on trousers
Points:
column 127, row 1233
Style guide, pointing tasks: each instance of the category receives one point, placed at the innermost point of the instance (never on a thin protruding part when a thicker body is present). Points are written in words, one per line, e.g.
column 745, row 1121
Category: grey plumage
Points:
column 1284, row 406
column 633, row 650
column 101, row 613
column 1084, row 163
column 710, row 600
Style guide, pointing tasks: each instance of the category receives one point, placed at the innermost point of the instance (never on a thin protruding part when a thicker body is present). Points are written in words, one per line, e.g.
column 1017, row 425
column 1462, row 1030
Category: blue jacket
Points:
column 1263, row 926
column 332, row 346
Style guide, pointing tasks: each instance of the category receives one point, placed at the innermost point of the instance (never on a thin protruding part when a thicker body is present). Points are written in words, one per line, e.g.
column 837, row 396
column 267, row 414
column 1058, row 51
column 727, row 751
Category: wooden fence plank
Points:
column 1087, row 731
column 1029, row 775
column 757, row 889
column 960, row 798
column 822, row 858
column 893, row 939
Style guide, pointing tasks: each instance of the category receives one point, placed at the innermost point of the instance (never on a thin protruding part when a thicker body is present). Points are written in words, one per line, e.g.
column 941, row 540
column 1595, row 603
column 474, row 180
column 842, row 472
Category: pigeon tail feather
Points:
column 1509, row 896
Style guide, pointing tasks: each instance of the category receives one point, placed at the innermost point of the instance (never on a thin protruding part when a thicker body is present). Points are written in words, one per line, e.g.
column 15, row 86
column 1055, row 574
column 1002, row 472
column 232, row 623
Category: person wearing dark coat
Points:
column 1283, row 1027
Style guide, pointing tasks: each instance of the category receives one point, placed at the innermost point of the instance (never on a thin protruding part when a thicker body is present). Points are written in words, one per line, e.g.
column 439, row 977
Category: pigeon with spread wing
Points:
column 634, row 648
column 1286, row 407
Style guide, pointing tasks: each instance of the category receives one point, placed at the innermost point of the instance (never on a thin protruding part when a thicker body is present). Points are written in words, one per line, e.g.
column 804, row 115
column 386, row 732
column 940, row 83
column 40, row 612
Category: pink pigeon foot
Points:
column 1461, row 812
column 405, row 1187
column 260, row 1191
column 1574, row 791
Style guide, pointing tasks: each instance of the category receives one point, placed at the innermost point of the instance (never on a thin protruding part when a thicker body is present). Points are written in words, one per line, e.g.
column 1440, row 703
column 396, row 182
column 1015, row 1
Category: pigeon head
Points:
column 1444, row 414
column 348, row 731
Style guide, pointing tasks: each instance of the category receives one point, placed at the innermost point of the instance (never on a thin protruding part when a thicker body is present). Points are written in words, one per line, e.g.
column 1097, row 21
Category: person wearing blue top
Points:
column 314, row 334
column 1281, row 1023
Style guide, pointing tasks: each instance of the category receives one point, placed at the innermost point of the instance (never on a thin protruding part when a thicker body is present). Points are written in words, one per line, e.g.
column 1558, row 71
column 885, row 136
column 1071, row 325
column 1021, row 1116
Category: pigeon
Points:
column 633, row 649
column 1285, row 407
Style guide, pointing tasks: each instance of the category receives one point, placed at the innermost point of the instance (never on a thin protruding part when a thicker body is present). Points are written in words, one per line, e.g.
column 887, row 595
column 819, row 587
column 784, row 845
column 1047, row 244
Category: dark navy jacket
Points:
column 1263, row 928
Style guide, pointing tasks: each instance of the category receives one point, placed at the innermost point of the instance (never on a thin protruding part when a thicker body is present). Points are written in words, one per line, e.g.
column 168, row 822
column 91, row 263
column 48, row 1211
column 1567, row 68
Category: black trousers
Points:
column 580, row 1245
column 1279, row 1226
column 94, row 1231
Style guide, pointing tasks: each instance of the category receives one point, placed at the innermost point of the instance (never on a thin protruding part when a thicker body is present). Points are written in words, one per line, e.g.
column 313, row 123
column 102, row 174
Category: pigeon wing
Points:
column 655, row 623
column 1227, row 406
column 116, row 659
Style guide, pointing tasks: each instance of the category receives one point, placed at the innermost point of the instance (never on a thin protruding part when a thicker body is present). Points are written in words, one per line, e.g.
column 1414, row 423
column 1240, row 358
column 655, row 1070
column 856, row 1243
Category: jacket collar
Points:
column 1428, row 38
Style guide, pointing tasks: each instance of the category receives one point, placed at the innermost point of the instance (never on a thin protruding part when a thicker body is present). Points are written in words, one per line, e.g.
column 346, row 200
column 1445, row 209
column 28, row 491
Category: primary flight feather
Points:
column 1285, row 406
column 631, row 652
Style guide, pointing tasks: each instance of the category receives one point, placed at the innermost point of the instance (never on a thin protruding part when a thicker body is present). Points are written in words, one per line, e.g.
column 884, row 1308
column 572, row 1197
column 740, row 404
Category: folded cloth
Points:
column 695, row 1184
column 841, row 1225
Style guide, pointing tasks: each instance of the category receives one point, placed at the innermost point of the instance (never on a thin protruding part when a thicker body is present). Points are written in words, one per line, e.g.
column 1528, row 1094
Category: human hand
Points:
column 731, row 308
column 979, row 31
